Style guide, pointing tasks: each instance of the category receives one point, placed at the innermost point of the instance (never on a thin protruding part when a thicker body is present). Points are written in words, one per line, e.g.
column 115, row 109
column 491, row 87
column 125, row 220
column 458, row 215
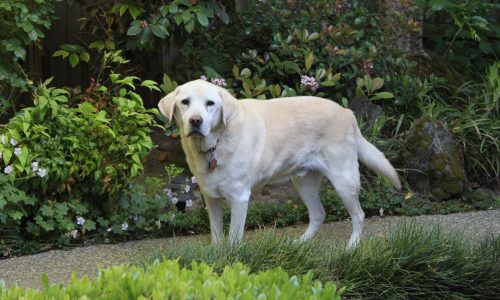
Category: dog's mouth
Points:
column 195, row 132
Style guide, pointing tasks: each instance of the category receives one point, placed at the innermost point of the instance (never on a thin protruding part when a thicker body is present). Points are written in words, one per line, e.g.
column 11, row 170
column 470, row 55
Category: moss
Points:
column 431, row 149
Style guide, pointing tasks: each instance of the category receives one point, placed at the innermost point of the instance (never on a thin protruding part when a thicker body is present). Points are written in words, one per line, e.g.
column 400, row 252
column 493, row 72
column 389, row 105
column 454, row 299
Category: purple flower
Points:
column 309, row 81
column 203, row 77
column 219, row 81
column 2, row 139
column 17, row 151
column 13, row 142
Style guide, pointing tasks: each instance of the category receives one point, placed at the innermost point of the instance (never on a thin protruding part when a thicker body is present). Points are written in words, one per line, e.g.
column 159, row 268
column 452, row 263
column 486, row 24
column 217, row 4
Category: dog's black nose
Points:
column 195, row 121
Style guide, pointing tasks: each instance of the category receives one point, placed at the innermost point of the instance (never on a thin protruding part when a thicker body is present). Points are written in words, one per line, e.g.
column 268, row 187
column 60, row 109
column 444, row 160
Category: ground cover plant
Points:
column 169, row 280
column 410, row 262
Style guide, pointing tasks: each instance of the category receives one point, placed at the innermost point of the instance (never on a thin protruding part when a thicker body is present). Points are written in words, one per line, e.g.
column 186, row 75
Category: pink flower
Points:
column 309, row 81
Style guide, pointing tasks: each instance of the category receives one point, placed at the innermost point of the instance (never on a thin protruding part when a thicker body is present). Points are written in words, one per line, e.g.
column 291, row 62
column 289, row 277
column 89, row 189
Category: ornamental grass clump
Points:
column 411, row 262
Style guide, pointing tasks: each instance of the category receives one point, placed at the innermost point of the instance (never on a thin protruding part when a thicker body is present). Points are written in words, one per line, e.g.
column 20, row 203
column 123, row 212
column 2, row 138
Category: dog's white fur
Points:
column 260, row 142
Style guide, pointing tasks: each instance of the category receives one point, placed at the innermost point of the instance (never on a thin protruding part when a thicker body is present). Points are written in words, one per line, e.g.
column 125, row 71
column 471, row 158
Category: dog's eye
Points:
column 185, row 101
column 210, row 103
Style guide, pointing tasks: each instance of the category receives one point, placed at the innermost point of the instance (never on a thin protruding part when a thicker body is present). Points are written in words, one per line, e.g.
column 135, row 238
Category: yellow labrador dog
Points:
column 233, row 146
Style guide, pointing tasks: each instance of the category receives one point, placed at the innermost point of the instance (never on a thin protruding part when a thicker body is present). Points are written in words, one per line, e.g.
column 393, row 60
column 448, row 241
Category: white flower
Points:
column 41, row 173
column 135, row 218
column 1, row 155
column 80, row 220
column 193, row 180
column 174, row 200
column 2, row 139
column 169, row 192
column 109, row 229
column 187, row 188
column 158, row 224
column 34, row 166
column 203, row 77
column 124, row 226
column 189, row 203
column 74, row 233
column 17, row 151
column 8, row 169
column 13, row 142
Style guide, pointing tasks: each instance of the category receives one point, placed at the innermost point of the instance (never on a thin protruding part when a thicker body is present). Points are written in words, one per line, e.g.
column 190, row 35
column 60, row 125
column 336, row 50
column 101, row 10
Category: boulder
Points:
column 434, row 160
column 365, row 110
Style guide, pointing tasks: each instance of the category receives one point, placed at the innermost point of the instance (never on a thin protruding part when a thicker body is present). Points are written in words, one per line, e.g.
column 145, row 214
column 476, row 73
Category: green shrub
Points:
column 168, row 280
column 23, row 23
column 472, row 114
column 75, row 159
column 410, row 262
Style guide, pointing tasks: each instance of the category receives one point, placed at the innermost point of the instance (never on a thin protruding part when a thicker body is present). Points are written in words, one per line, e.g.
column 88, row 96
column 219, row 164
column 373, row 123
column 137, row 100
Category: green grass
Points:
column 411, row 262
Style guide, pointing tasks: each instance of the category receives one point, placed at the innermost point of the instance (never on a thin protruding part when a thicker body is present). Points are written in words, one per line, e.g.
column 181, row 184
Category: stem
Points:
column 452, row 41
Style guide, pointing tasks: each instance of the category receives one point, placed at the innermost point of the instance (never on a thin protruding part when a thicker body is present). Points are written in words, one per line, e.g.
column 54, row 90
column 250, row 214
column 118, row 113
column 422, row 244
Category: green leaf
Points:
column 85, row 57
column 7, row 154
column 308, row 59
column 61, row 52
column 23, row 157
column 189, row 26
column 327, row 83
column 45, row 281
column 376, row 84
column 159, row 31
column 382, row 95
column 202, row 19
column 134, row 30
column 73, row 60
column 245, row 73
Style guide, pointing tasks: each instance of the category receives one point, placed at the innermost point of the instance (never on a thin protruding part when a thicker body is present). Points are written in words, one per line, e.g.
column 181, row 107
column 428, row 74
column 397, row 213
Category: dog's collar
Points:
column 212, row 161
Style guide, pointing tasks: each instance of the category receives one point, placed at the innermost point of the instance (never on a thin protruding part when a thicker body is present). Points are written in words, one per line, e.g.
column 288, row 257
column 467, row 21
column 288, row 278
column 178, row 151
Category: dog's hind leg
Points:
column 308, row 188
column 346, row 182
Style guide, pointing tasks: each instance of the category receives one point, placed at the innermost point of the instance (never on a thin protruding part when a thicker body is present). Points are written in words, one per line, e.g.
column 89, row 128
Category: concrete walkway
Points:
column 25, row 271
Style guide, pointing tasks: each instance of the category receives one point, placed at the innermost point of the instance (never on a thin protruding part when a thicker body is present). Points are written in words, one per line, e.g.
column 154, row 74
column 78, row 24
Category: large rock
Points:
column 433, row 154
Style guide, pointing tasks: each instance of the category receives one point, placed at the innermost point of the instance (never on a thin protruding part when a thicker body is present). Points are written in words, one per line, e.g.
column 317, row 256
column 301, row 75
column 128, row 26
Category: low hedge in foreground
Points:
column 168, row 280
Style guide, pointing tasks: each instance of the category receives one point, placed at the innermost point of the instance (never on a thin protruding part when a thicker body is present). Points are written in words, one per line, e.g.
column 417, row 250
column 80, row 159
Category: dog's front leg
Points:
column 215, row 213
column 239, row 207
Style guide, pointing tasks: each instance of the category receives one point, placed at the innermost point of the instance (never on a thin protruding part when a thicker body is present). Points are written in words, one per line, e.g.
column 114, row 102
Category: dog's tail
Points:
column 374, row 159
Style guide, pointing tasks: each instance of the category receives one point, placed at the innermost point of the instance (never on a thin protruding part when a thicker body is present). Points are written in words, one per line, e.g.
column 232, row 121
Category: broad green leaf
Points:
column 382, row 95
column 73, row 59
column 134, row 30
column 202, row 19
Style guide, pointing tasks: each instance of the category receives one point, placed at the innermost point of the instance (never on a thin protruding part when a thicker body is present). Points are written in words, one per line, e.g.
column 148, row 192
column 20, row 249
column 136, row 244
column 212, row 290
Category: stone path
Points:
column 25, row 271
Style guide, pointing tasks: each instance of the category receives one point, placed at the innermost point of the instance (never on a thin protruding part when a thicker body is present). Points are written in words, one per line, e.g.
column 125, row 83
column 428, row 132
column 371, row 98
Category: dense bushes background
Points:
column 68, row 160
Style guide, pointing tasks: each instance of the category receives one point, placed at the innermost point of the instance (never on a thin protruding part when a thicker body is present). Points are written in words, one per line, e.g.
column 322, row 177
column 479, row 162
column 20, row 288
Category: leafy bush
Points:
column 411, row 262
column 168, row 280
column 75, row 160
column 470, row 25
column 472, row 114
column 23, row 23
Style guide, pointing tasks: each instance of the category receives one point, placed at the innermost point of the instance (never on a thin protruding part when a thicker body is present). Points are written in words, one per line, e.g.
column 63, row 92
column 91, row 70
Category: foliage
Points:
column 320, row 50
column 23, row 23
column 472, row 115
column 470, row 25
column 75, row 160
column 411, row 262
column 168, row 280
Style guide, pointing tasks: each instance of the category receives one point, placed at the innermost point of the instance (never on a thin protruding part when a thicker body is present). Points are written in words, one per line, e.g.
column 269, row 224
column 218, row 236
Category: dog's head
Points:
column 199, row 107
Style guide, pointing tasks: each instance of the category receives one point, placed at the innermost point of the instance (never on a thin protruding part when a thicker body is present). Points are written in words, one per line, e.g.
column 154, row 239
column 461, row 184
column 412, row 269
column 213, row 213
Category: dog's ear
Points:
column 167, row 104
column 229, row 105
